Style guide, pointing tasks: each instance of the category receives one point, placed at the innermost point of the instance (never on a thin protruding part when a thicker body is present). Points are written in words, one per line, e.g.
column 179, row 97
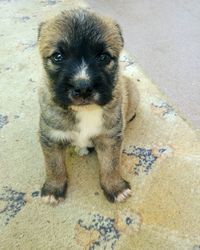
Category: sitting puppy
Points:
column 85, row 100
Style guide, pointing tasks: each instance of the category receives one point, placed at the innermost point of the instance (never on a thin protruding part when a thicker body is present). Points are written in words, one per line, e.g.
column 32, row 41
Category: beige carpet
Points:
column 161, row 159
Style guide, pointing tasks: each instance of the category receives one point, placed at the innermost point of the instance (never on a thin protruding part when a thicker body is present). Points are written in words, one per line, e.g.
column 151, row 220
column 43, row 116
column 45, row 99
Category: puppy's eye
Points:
column 57, row 58
column 104, row 58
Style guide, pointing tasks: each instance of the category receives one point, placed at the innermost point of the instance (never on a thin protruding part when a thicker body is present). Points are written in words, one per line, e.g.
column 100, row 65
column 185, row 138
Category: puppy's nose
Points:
column 82, row 89
column 82, row 92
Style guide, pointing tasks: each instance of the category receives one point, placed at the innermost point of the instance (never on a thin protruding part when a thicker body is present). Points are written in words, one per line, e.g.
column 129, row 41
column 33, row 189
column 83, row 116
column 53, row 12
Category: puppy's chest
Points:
column 88, row 125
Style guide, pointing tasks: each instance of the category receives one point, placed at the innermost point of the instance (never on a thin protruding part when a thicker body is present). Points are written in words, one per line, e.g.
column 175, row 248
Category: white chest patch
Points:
column 90, row 124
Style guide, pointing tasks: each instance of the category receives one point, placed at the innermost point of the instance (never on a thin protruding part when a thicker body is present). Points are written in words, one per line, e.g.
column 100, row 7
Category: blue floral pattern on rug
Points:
column 163, row 108
column 3, row 120
column 14, row 201
column 108, row 234
column 146, row 158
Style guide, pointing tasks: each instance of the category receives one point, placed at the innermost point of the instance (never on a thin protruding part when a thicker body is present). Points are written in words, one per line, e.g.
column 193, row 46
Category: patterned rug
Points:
column 161, row 160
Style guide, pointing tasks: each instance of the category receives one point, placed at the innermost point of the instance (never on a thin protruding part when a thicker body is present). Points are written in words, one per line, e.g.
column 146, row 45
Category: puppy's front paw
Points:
column 118, row 193
column 122, row 196
column 52, row 194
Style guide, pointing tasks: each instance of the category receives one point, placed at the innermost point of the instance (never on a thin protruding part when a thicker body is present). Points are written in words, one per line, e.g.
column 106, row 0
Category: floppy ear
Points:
column 120, row 33
column 114, row 26
column 40, row 29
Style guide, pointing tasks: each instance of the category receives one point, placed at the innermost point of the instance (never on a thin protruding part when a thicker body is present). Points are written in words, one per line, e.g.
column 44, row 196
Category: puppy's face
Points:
column 80, row 54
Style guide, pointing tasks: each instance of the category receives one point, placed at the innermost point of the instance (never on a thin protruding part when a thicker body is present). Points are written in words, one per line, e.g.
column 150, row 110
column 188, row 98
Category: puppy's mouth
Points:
column 82, row 101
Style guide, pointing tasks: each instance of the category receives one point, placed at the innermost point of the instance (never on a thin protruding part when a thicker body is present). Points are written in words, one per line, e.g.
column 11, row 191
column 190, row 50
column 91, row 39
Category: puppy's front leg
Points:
column 109, row 154
column 54, row 188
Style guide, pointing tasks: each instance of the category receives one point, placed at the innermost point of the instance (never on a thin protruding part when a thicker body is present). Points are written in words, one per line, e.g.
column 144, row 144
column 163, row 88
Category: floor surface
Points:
column 163, row 35
column 160, row 158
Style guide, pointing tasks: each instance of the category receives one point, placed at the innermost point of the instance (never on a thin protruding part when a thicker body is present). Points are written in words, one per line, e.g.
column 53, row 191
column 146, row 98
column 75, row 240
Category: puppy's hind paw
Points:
column 82, row 151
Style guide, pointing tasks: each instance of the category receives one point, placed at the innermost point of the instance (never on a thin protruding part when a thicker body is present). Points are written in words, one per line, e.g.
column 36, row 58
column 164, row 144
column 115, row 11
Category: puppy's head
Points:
column 80, row 52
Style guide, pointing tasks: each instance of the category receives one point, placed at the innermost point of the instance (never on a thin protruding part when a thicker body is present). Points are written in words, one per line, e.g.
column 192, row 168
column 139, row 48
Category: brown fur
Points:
column 116, row 114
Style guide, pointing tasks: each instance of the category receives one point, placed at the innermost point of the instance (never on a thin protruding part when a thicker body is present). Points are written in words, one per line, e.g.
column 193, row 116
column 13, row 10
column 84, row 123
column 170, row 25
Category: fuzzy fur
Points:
column 83, row 36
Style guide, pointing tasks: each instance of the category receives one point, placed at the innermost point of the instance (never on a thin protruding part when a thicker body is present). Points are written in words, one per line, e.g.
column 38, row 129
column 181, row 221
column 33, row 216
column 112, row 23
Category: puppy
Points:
column 85, row 100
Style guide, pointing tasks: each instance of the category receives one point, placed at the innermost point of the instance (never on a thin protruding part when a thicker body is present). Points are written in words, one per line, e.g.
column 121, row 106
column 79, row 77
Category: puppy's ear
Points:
column 40, row 29
column 120, row 33
column 114, row 26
